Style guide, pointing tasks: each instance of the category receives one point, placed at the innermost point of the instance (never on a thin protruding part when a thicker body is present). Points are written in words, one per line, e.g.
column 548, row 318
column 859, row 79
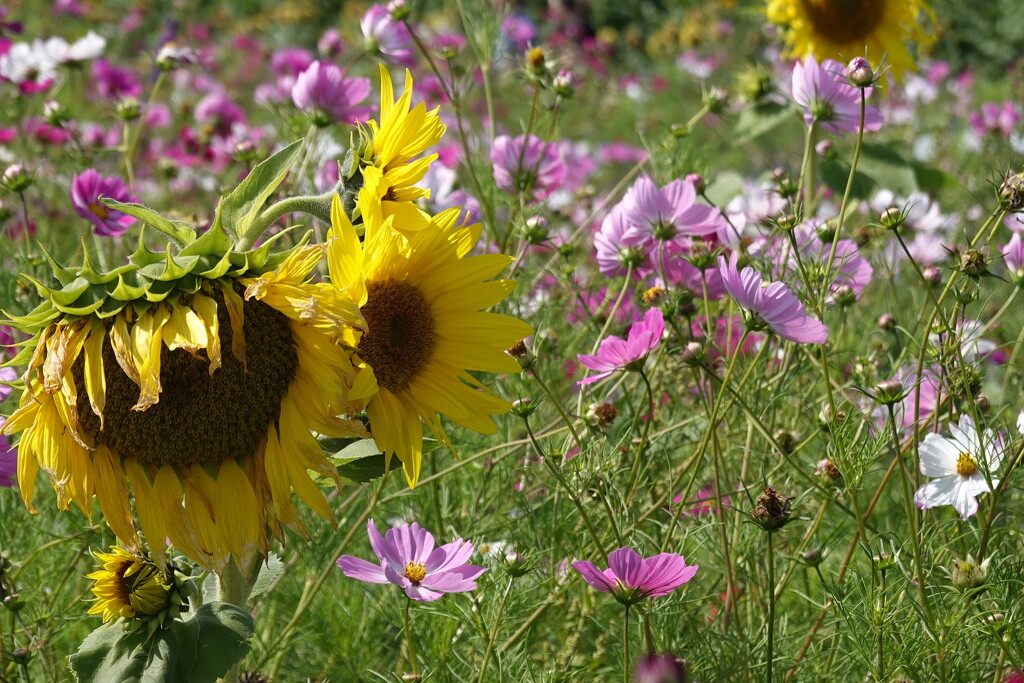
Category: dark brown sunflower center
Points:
column 200, row 418
column 400, row 333
column 844, row 21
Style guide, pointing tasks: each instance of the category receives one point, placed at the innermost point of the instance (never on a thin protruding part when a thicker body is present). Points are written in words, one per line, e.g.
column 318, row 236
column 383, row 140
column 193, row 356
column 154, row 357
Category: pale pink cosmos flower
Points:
column 663, row 213
column 616, row 353
column 527, row 164
column 995, row 119
column 959, row 463
column 389, row 38
column 1013, row 256
column 849, row 268
column 631, row 578
column 329, row 96
column 770, row 305
column 615, row 250
column 407, row 558
column 825, row 96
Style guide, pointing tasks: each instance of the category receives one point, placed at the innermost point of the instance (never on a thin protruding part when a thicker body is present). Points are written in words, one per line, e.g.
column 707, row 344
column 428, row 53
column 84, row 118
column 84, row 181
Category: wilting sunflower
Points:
column 190, row 380
column 128, row 586
column 388, row 161
column 422, row 299
column 844, row 29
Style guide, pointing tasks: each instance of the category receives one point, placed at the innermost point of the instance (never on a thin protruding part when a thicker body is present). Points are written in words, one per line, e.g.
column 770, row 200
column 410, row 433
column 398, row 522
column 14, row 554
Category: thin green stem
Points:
column 494, row 630
column 553, row 470
column 638, row 415
column 770, row 655
column 881, row 630
column 911, row 512
column 845, row 205
column 626, row 677
column 407, row 633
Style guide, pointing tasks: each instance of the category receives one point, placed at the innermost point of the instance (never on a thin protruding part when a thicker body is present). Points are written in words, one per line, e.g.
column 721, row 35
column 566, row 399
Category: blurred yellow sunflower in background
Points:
column 196, row 394
column 422, row 299
column 844, row 29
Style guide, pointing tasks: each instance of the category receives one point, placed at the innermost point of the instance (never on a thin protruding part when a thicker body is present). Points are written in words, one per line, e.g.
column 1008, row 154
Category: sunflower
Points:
column 128, row 586
column 389, row 165
column 422, row 299
column 843, row 29
column 192, row 387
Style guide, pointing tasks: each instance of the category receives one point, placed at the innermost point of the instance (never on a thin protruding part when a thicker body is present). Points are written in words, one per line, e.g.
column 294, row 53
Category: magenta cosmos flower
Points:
column 329, row 97
column 408, row 558
column 616, row 353
column 825, row 96
column 631, row 578
column 527, row 164
column 771, row 305
column 86, row 191
column 8, row 459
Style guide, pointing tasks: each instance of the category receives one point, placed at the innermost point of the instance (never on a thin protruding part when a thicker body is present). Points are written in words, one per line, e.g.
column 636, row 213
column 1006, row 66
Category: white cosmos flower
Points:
column 959, row 462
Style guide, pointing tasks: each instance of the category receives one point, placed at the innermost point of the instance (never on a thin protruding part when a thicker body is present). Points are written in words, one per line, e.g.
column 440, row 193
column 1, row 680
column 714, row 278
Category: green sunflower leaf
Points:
column 109, row 654
column 213, row 641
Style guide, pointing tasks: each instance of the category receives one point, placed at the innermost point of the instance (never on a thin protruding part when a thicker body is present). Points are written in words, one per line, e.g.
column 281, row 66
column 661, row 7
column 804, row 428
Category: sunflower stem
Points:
column 318, row 206
column 234, row 586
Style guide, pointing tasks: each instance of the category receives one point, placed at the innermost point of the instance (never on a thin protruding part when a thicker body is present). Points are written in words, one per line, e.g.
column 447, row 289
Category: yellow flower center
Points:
column 415, row 572
column 966, row 465
column 200, row 418
column 99, row 210
column 844, row 21
column 400, row 335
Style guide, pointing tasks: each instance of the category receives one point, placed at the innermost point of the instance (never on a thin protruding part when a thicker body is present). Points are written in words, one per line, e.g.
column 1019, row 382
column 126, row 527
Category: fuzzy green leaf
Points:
column 109, row 654
column 268, row 573
column 175, row 230
column 214, row 640
column 199, row 650
column 240, row 208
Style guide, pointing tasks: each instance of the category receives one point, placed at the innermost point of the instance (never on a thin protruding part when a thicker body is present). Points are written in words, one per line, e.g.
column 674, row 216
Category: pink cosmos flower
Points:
column 849, row 269
column 704, row 503
column 324, row 91
column 8, row 459
column 219, row 113
column 86, row 191
column 770, row 305
column 616, row 353
column 631, row 578
column 386, row 37
column 825, row 96
column 407, row 558
column 527, row 164
column 995, row 119
column 1013, row 255
column 663, row 213
column 614, row 250
column 959, row 462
